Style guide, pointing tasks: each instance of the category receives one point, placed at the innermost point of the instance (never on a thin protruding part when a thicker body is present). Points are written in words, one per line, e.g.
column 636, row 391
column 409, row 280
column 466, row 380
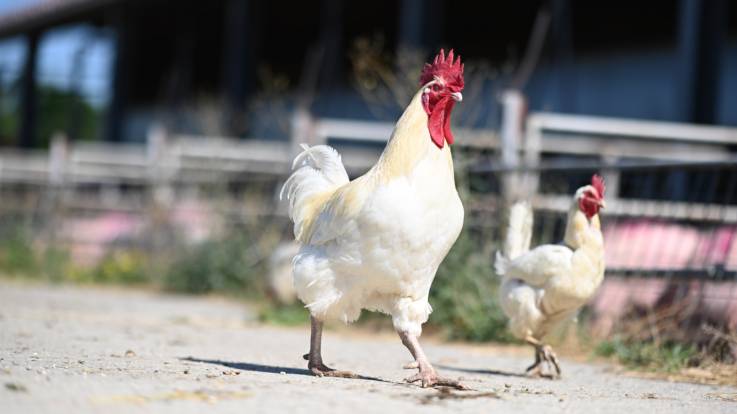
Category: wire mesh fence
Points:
column 670, row 234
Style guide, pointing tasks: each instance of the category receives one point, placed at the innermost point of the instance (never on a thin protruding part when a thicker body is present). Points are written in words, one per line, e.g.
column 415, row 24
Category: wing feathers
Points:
column 538, row 265
column 318, row 172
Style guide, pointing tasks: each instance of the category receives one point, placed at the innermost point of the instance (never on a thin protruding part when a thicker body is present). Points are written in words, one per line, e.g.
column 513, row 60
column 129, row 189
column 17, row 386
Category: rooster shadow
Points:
column 482, row 371
column 268, row 369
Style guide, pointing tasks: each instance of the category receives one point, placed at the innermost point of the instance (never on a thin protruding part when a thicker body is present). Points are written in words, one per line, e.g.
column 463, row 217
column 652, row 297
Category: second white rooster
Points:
column 546, row 286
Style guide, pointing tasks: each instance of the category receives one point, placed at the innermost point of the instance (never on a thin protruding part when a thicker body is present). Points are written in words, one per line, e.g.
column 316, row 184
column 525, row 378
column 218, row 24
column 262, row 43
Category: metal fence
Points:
column 670, row 231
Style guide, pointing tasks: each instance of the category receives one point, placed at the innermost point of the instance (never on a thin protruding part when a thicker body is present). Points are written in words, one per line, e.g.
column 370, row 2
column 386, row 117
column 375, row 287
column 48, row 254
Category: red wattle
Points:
column 437, row 121
column 446, row 126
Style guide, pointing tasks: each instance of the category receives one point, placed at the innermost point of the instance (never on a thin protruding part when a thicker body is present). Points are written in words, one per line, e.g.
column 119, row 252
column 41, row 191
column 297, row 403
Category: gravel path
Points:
column 78, row 350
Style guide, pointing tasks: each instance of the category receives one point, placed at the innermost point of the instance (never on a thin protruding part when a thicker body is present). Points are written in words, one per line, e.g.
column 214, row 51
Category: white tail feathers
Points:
column 518, row 238
column 519, row 230
column 317, row 170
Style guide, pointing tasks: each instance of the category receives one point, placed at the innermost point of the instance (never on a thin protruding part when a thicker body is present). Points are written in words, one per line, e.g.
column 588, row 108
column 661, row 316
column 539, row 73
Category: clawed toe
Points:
column 413, row 378
column 432, row 380
column 321, row 370
column 340, row 374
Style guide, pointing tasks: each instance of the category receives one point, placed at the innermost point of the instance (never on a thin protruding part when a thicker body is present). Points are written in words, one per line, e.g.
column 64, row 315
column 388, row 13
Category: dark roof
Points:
column 48, row 13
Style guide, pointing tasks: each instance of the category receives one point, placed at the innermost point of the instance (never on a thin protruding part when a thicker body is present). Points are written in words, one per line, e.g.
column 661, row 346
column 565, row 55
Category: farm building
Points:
column 224, row 65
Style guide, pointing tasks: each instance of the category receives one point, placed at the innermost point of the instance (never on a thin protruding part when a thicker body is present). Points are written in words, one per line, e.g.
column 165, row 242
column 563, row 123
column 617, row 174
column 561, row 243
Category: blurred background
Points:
column 144, row 142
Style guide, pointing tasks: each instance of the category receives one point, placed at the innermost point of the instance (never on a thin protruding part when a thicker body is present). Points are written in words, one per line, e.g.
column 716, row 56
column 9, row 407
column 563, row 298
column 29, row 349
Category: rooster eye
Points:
column 436, row 87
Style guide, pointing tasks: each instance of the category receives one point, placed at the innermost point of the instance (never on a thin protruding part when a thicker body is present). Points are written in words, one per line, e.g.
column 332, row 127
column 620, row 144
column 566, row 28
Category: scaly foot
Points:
column 321, row 370
column 551, row 358
column 318, row 369
column 544, row 355
column 429, row 378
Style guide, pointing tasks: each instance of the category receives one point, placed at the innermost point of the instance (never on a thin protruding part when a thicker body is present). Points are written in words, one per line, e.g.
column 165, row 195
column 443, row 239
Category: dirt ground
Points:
column 79, row 350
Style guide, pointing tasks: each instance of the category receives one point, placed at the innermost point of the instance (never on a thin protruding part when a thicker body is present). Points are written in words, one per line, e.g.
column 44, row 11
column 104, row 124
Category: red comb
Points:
column 598, row 183
column 444, row 67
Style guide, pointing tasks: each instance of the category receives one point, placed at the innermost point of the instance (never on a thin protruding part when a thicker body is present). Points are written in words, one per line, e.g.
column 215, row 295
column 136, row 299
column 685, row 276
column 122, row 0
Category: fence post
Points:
column 159, row 188
column 158, row 165
column 513, row 104
column 302, row 131
column 533, row 147
column 611, row 177
column 58, row 157
column 58, row 154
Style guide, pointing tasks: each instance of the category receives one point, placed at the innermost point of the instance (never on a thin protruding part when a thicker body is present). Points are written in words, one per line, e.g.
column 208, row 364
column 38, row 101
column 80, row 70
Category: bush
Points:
column 464, row 295
column 232, row 264
column 17, row 255
column 284, row 314
column 668, row 356
column 122, row 267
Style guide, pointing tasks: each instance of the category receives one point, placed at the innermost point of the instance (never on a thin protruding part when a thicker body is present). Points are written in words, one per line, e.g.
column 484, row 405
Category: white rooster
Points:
column 546, row 286
column 376, row 242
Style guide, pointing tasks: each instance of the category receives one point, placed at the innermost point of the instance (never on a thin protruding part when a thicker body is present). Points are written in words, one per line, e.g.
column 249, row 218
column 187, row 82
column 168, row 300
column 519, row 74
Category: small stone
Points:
column 14, row 386
column 130, row 353
column 650, row 396
column 186, row 371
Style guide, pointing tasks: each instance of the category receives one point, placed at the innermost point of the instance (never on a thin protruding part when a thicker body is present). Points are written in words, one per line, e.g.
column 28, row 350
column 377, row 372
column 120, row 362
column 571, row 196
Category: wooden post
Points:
column 58, row 155
column 533, row 147
column 53, row 209
column 158, row 163
column 611, row 177
column 511, row 136
column 159, row 189
column 302, row 130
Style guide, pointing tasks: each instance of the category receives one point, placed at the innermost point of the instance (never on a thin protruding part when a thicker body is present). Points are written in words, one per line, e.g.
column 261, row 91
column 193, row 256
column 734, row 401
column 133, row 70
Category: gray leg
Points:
column 427, row 374
column 314, row 358
column 534, row 369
